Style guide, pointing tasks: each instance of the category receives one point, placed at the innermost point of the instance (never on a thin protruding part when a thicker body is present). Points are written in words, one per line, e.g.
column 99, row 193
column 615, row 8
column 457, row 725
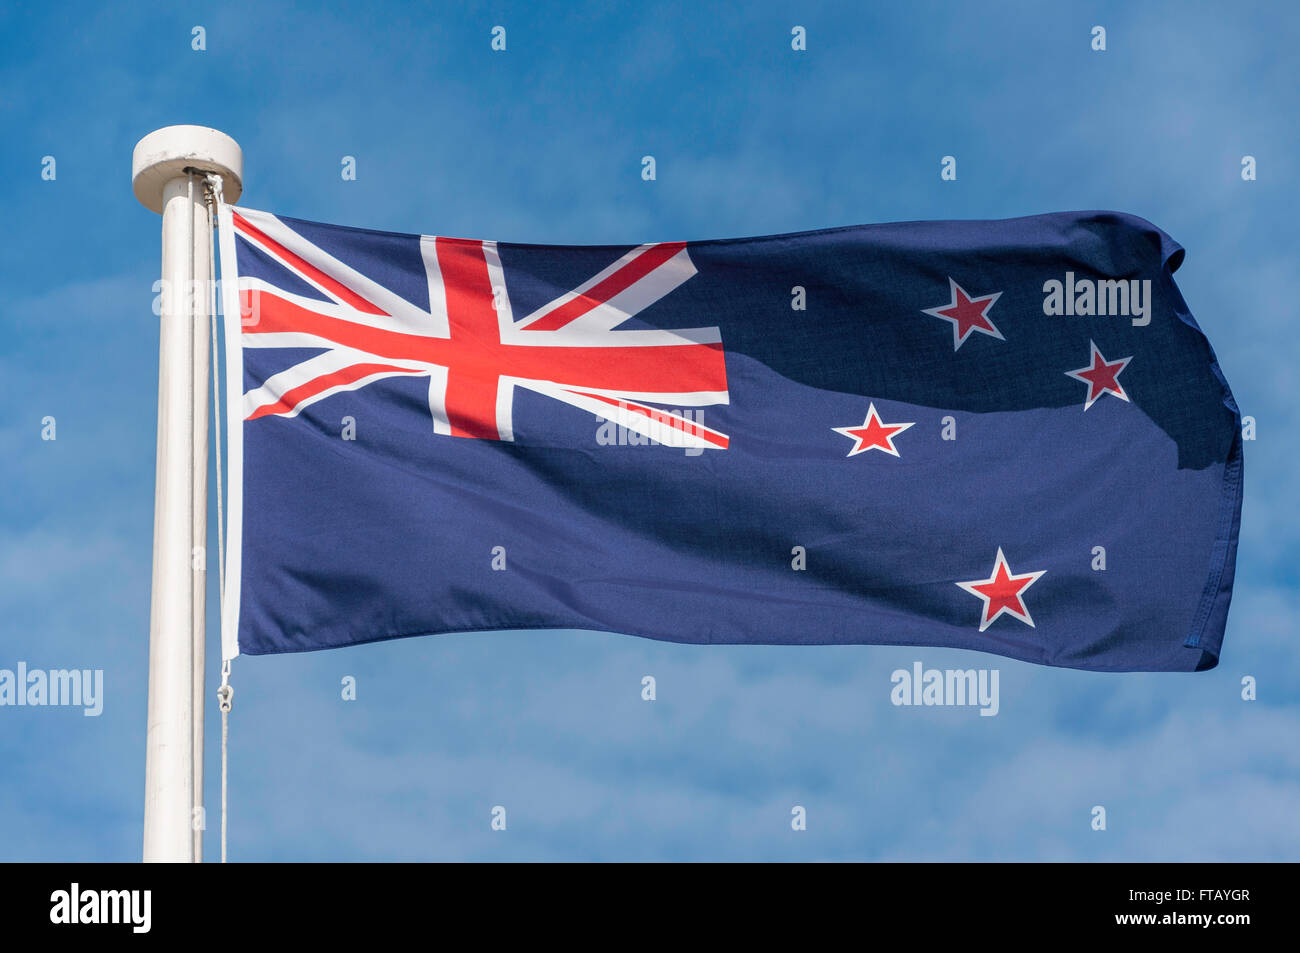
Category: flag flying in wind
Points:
column 1008, row 436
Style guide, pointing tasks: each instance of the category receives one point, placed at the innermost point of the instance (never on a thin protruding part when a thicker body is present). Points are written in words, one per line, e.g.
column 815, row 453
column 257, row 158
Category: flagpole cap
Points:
column 166, row 153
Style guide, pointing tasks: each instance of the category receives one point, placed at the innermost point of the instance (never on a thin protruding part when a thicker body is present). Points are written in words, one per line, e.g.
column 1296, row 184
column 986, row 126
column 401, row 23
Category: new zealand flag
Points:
column 1008, row 436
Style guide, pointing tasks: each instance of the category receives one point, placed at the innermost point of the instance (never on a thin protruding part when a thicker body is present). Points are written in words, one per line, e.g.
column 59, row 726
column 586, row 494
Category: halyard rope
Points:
column 225, row 693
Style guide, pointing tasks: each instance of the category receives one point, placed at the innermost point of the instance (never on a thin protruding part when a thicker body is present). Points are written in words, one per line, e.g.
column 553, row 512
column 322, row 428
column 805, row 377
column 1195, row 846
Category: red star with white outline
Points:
column 967, row 314
column 1002, row 592
column 1101, row 376
column 873, row 434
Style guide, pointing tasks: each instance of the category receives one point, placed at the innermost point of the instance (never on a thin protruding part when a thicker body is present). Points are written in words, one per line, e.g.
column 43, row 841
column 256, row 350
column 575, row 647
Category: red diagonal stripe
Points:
column 601, row 292
column 346, row 375
column 315, row 274
column 675, row 421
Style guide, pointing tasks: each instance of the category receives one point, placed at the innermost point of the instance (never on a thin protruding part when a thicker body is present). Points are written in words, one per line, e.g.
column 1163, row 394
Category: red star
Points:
column 967, row 314
column 873, row 434
column 1102, row 377
column 1001, row 592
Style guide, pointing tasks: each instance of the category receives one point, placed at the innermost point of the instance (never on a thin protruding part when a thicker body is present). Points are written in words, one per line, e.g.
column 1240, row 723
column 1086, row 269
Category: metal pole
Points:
column 200, row 297
column 174, row 746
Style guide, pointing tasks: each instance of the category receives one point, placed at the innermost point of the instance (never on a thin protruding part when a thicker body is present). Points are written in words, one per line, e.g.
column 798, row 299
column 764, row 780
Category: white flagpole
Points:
column 174, row 752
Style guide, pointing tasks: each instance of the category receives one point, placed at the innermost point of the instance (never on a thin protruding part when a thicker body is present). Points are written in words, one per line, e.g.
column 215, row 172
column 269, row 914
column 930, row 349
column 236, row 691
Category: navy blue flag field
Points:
column 1008, row 436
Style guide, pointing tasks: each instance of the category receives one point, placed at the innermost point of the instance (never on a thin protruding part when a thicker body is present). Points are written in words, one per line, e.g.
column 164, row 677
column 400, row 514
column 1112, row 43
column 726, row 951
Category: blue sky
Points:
column 543, row 143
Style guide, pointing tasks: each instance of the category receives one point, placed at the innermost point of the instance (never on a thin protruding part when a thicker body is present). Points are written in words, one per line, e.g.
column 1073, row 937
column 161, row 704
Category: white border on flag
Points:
column 232, row 322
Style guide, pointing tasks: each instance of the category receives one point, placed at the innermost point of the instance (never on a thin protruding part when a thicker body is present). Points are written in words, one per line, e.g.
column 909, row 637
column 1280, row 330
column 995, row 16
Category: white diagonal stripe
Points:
column 276, row 386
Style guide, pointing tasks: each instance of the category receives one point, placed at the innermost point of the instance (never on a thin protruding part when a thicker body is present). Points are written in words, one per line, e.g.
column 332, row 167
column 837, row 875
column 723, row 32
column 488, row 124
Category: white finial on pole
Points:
column 167, row 176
